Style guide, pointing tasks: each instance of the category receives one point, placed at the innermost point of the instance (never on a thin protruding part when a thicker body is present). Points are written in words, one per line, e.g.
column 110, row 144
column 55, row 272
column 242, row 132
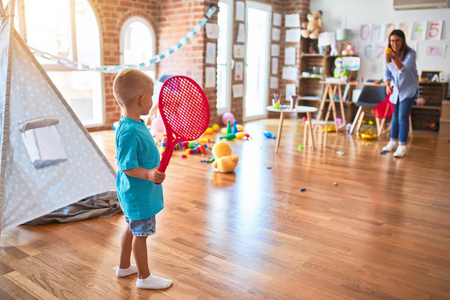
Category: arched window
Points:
column 70, row 30
column 137, row 43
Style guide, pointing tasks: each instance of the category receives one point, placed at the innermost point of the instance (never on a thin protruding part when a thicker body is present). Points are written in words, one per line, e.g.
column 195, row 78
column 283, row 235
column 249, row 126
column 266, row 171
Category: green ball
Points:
column 434, row 127
column 300, row 147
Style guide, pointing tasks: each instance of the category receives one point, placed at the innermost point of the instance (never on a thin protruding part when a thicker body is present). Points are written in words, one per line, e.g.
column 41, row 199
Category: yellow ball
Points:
column 388, row 51
column 215, row 128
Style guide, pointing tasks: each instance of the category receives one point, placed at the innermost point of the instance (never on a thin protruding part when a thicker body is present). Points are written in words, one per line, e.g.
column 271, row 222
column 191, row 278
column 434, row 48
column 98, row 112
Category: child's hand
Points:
column 156, row 176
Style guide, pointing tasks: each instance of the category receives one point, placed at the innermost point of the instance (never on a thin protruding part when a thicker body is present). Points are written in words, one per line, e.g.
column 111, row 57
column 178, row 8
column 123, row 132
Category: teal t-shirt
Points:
column 135, row 147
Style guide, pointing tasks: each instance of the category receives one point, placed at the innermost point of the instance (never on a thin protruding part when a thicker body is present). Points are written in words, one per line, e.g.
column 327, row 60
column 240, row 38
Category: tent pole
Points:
column 8, row 13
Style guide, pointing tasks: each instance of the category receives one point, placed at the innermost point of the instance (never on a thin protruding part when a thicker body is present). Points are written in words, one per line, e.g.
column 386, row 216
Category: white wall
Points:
column 357, row 12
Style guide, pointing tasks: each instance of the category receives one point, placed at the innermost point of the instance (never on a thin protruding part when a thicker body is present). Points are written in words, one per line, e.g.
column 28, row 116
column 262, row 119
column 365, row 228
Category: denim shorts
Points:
column 145, row 227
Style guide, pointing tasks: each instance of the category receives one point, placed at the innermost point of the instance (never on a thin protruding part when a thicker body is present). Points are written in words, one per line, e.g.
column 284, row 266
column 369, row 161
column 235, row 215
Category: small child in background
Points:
column 138, row 178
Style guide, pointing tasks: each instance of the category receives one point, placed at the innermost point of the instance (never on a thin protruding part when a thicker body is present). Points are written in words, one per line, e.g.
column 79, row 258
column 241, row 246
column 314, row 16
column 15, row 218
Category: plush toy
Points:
column 349, row 50
column 312, row 28
column 339, row 70
column 224, row 161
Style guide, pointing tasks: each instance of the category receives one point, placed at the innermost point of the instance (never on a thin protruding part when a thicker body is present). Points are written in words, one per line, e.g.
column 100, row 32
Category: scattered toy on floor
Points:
column 224, row 162
column 229, row 136
column 227, row 117
column 242, row 135
column 229, row 130
column 215, row 127
column 269, row 135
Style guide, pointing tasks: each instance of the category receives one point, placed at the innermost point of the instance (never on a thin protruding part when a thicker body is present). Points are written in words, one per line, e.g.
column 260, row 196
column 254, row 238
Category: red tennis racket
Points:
column 384, row 109
column 185, row 113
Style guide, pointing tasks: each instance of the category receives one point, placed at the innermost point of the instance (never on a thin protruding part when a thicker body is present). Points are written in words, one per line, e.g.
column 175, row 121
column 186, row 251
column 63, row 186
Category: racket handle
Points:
column 165, row 159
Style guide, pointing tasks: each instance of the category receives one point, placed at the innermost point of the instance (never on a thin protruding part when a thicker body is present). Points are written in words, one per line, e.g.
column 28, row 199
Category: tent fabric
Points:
column 5, row 79
column 102, row 205
column 29, row 192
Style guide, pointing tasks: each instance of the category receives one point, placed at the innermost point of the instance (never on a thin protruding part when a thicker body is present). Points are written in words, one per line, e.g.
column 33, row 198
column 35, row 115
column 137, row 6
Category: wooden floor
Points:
column 381, row 232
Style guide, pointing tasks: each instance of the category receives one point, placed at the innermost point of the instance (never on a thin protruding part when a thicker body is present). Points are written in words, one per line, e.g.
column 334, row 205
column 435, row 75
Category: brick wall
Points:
column 111, row 15
column 176, row 18
column 171, row 20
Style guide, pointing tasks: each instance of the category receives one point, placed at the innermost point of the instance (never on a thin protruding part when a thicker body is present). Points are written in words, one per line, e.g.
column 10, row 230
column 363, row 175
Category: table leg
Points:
column 280, row 128
column 355, row 121
column 308, row 114
column 333, row 108
column 341, row 102
column 305, row 132
column 331, row 95
column 322, row 103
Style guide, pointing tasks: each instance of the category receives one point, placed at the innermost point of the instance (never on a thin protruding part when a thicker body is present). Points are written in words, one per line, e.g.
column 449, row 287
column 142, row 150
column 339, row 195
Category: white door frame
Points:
column 230, row 3
column 268, row 9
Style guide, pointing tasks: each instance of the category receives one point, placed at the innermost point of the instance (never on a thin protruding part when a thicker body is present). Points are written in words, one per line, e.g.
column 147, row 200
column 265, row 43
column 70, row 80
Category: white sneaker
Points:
column 401, row 151
column 390, row 146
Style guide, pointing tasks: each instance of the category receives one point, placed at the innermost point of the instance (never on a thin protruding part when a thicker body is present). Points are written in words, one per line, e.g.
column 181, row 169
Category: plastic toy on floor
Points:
column 224, row 162
column 269, row 135
column 227, row 117
column 229, row 136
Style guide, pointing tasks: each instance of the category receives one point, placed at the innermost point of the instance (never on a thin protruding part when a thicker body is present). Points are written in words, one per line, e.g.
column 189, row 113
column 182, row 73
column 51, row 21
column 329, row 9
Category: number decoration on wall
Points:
column 406, row 28
column 434, row 30
column 368, row 51
column 379, row 50
column 388, row 29
column 364, row 32
column 419, row 30
column 376, row 32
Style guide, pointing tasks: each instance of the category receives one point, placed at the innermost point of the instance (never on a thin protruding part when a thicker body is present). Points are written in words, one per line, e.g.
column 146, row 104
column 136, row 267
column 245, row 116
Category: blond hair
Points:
column 129, row 85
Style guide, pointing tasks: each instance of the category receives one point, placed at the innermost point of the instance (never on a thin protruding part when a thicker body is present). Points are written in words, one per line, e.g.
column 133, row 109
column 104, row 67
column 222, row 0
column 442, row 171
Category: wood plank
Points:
column 381, row 232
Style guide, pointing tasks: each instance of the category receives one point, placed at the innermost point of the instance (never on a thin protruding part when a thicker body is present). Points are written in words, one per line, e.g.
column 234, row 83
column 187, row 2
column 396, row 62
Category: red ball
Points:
column 434, row 127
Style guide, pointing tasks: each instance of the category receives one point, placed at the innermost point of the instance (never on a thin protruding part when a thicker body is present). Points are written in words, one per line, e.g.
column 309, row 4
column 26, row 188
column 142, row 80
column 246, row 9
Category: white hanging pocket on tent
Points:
column 42, row 142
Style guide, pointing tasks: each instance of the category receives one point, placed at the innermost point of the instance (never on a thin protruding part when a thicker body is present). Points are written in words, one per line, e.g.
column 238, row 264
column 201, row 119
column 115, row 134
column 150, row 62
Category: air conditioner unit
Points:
column 420, row 4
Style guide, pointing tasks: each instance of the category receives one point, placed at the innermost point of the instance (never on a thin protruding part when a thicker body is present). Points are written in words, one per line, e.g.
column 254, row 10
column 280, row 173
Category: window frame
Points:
column 149, row 26
column 73, row 50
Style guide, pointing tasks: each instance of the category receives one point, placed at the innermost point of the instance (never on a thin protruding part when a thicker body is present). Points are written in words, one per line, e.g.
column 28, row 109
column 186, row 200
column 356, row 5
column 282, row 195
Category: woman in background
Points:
column 402, row 80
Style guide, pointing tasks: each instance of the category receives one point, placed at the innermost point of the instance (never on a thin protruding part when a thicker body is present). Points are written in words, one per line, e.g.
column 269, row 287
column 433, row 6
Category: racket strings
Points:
column 184, row 109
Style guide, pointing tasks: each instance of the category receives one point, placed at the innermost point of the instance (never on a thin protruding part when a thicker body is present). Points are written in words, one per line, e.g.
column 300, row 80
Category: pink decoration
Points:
column 158, row 125
column 227, row 116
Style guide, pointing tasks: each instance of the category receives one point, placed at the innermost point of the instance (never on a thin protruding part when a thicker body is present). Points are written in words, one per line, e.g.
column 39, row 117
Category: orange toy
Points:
column 388, row 51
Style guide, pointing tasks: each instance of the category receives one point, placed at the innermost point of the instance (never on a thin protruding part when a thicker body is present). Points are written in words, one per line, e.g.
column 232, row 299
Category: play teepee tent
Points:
column 47, row 158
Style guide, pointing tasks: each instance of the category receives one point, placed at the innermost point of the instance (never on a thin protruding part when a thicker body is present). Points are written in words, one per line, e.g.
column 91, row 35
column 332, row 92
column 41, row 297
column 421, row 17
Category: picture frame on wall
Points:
column 430, row 76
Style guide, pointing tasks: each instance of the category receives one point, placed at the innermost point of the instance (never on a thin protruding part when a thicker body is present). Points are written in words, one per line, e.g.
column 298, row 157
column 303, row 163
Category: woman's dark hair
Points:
column 403, row 50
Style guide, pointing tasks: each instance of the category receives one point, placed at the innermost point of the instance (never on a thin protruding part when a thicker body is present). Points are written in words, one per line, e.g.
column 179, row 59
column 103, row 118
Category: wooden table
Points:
column 331, row 90
column 298, row 109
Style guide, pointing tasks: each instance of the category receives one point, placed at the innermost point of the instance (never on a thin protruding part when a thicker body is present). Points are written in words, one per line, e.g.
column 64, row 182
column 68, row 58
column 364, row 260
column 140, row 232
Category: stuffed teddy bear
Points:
column 312, row 28
column 349, row 50
column 224, row 161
